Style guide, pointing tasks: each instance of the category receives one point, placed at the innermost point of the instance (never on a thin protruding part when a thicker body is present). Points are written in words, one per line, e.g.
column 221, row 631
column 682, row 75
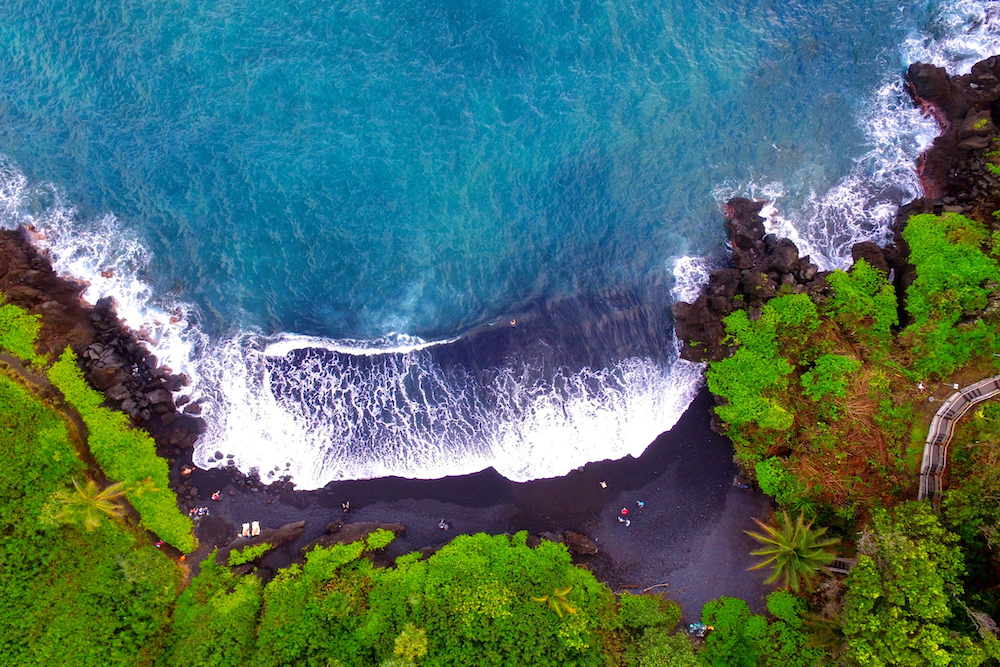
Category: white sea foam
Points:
column 862, row 205
column 690, row 273
column 392, row 343
column 104, row 255
column 965, row 32
column 408, row 417
column 400, row 415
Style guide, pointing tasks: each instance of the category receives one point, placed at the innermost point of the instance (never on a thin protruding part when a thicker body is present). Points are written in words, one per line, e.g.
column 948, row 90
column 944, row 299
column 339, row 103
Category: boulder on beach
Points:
column 579, row 545
column 276, row 537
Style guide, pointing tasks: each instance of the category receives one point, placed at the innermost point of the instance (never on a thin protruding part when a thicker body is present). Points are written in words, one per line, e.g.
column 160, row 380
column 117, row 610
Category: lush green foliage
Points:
column 899, row 599
column 648, row 622
column 742, row 639
column 828, row 376
column 248, row 554
column 18, row 332
column 954, row 280
column 125, row 454
column 68, row 596
column 776, row 481
column 756, row 368
column 864, row 302
column 796, row 551
column 87, row 503
column 474, row 602
column 215, row 619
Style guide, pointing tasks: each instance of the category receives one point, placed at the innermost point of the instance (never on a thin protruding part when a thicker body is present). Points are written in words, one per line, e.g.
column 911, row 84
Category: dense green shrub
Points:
column 756, row 374
column 659, row 648
column 775, row 480
column 954, row 280
column 18, row 332
column 248, row 554
column 828, row 376
column 474, row 602
column 648, row 621
column 898, row 604
column 125, row 454
column 737, row 637
column 743, row 639
column 68, row 596
column 639, row 613
column 864, row 302
column 215, row 619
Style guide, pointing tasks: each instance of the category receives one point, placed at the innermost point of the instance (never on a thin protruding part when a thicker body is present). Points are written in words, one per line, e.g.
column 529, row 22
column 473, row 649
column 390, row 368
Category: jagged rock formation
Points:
column 763, row 265
column 960, row 174
column 955, row 171
column 113, row 359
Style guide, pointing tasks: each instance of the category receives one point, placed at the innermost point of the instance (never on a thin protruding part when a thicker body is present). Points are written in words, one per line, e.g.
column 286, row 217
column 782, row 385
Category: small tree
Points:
column 796, row 551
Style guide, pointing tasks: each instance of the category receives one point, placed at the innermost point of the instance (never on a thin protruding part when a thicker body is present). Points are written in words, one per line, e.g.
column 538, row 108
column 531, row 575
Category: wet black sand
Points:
column 689, row 533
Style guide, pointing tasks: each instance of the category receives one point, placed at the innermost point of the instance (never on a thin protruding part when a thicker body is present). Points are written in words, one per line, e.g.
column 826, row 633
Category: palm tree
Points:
column 87, row 502
column 827, row 634
column 796, row 550
column 557, row 601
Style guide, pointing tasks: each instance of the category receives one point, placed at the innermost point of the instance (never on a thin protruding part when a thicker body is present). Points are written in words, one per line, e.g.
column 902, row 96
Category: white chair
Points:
column 255, row 529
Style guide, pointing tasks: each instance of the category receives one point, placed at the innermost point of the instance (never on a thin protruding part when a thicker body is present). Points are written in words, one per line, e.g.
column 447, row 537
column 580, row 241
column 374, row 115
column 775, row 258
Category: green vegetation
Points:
column 18, row 332
column 828, row 376
column 248, row 554
column 823, row 407
column 86, row 503
column 68, row 596
column 901, row 597
column 474, row 602
column 756, row 371
column 955, row 278
column 742, row 639
column 820, row 395
column 796, row 551
column 125, row 454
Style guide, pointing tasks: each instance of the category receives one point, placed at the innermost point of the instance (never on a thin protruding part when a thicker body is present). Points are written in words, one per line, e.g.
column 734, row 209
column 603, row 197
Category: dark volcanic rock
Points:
column 765, row 266
column 579, row 545
column 113, row 359
column 871, row 253
column 273, row 536
column 966, row 108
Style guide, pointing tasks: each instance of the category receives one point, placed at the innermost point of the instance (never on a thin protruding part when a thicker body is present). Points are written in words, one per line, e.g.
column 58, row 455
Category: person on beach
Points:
column 246, row 530
column 255, row 529
column 443, row 525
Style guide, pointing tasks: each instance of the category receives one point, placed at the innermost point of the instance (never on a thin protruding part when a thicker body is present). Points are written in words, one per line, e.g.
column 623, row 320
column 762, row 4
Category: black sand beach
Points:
column 688, row 533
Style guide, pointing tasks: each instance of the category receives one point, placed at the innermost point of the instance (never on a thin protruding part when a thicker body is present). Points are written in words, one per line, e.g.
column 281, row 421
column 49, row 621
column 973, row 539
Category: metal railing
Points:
column 943, row 428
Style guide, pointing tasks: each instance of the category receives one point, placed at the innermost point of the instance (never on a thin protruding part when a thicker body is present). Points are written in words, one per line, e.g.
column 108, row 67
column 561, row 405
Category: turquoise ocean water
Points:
column 425, row 238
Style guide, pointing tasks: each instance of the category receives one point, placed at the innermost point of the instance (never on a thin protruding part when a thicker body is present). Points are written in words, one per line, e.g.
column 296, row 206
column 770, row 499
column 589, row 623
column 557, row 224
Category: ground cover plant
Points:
column 126, row 454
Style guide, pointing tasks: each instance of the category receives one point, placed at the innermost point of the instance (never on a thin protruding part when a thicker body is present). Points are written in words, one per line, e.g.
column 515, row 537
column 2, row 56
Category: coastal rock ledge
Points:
column 960, row 173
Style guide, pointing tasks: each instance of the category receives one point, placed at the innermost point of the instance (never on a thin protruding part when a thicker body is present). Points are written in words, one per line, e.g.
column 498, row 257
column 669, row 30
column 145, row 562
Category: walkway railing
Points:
column 943, row 428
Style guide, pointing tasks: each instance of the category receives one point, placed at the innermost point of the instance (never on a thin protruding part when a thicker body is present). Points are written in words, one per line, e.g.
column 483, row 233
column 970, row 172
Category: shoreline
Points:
column 689, row 531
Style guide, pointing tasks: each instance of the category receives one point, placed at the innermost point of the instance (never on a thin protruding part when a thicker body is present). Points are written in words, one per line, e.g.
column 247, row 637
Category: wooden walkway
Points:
column 943, row 428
